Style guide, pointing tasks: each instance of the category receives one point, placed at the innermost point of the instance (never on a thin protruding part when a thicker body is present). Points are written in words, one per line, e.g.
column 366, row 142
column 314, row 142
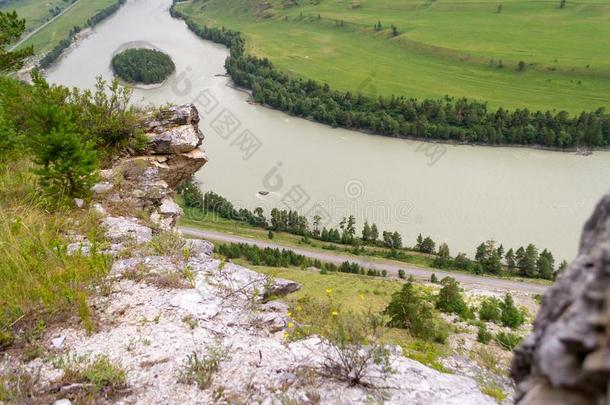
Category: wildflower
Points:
column 329, row 291
column 335, row 313
column 289, row 313
column 290, row 324
column 286, row 335
column 361, row 297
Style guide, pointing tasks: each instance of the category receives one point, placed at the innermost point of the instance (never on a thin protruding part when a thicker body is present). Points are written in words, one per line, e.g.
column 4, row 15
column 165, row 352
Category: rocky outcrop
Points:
column 566, row 360
column 147, row 181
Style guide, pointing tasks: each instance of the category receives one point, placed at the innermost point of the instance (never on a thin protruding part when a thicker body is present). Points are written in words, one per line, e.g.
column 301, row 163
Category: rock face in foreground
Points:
column 566, row 360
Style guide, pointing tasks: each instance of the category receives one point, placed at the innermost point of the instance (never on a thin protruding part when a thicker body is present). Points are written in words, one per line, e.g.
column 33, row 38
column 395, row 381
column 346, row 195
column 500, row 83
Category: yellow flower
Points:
column 290, row 324
column 289, row 313
column 329, row 291
column 286, row 335
column 361, row 297
column 335, row 313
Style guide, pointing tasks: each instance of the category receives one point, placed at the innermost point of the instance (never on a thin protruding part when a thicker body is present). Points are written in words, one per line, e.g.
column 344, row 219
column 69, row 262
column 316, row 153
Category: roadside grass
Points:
column 358, row 294
column 47, row 38
column 39, row 282
column 442, row 47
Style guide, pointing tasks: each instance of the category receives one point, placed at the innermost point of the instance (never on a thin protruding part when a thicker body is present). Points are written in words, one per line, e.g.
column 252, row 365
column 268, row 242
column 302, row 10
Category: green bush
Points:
column 508, row 341
column 354, row 338
column 483, row 335
column 200, row 370
column 511, row 316
column 409, row 309
column 191, row 194
column 490, row 310
column 68, row 166
column 451, row 300
column 98, row 376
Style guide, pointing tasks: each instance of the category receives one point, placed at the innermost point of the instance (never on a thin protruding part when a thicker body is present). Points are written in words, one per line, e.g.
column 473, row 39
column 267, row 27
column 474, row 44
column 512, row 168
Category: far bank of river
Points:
column 458, row 194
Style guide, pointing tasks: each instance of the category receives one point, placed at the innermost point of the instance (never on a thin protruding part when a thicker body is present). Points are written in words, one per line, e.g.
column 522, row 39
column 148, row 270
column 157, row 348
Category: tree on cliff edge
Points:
column 11, row 28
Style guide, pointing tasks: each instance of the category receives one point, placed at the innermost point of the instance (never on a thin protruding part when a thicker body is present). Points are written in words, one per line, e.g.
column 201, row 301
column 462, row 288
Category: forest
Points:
column 146, row 66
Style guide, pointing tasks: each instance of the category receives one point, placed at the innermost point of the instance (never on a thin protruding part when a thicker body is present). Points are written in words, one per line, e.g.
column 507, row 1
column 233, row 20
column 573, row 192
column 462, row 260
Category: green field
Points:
column 35, row 12
column 444, row 47
column 47, row 38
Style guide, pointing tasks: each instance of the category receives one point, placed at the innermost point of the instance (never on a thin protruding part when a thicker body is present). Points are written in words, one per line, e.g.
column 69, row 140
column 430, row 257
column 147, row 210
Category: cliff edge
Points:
column 172, row 312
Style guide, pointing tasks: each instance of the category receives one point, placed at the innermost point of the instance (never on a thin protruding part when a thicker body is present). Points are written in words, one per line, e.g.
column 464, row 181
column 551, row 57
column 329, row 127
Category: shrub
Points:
column 483, row 335
column 191, row 194
column 433, row 279
column 450, row 298
column 98, row 376
column 490, row 310
column 408, row 309
column 200, row 370
column 68, row 166
column 401, row 274
column 511, row 316
column 508, row 341
column 353, row 339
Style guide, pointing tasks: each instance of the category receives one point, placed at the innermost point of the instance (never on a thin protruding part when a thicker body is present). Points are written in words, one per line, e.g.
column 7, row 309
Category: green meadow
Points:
column 34, row 13
column 47, row 38
column 441, row 47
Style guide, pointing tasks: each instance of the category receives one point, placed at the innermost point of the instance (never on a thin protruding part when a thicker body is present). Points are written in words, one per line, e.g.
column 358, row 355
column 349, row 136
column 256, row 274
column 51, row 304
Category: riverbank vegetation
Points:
column 491, row 258
column 448, row 118
column 146, row 66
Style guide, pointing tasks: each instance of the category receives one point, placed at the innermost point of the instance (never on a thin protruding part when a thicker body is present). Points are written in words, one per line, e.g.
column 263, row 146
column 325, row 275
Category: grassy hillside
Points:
column 47, row 38
column 442, row 47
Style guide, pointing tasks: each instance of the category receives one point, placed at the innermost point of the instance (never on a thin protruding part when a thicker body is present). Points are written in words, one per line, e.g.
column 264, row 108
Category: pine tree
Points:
column 510, row 259
column 366, row 232
column 546, row 265
column 374, row 233
column 11, row 28
column 68, row 163
column 511, row 316
column 443, row 251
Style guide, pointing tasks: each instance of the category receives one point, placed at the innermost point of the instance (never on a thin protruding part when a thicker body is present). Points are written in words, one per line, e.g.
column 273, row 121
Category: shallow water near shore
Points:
column 461, row 195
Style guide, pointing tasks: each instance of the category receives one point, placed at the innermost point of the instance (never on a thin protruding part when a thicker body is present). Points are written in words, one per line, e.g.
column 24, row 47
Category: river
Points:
column 461, row 195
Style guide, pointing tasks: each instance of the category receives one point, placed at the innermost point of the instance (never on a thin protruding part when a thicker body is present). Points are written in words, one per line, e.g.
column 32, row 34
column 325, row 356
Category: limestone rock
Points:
column 200, row 248
column 160, row 121
column 565, row 356
column 101, row 188
column 240, row 280
column 119, row 229
column 176, row 140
